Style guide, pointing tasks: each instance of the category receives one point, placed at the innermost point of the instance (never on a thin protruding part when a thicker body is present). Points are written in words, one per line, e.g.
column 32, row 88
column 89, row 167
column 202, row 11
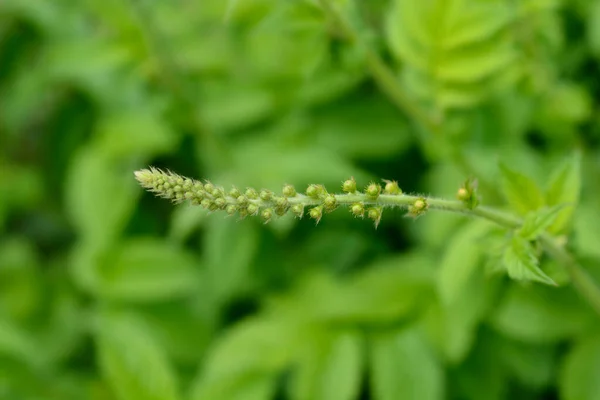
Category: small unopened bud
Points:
column 391, row 187
column 417, row 208
column 220, row 203
column 298, row 210
column 281, row 205
column 420, row 205
column 265, row 195
column 357, row 209
column 468, row 193
column 209, row 187
column 315, row 191
column 375, row 213
column 289, row 191
column 206, row 203
column 373, row 190
column 251, row 193
column 316, row 213
column 235, row 192
column 349, row 186
column 242, row 200
column 252, row 209
column 231, row 209
column 330, row 203
column 266, row 214
column 463, row 194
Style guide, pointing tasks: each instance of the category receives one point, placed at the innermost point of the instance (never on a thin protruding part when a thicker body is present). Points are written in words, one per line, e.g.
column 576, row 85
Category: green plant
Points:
column 107, row 293
column 543, row 215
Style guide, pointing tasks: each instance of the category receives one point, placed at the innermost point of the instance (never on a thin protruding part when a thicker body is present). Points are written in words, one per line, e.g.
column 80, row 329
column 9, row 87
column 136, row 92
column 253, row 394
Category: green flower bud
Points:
column 252, row 209
column 357, row 209
column 235, row 192
column 349, row 186
column 251, row 193
column 242, row 200
column 330, row 203
column 298, row 210
column 420, row 205
column 266, row 195
column 178, row 189
column 316, row 213
column 417, row 208
column 231, row 209
column 220, row 203
column 391, row 187
column 289, row 191
column 315, row 191
column 468, row 194
column 373, row 190
column 282, row 205
column 375, row 213
column 463, row 194
column 217, row 193
column 266, row 214
column 209, row 187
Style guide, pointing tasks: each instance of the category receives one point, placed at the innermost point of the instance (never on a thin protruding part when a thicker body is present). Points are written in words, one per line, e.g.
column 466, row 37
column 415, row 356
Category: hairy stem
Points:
column 371, row 202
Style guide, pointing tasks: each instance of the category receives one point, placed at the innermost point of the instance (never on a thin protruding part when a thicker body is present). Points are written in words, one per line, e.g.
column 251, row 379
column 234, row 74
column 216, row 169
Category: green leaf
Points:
column 521, row 262
column 579, row 377
column 184, row 221
column 386, row 291
column 522, row 192
column 564, row 187
column 245, row 361
column 330, row 367
column 464, row 290
column 480, row 376
column 454, row 327
column 454, row 51
column 131, row 361
column 404, row 367
column 532, row 364
column 341, row 127
column 21, row 345
column 593, row 27
column 100, row 196
column 460, row 261
column 536, row 222
column 230, row 247
column 148, row 269
column 147, row 133
column 540, row 314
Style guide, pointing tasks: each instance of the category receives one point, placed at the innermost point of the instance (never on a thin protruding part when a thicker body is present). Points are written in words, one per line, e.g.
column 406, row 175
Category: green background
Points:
column 107, row 292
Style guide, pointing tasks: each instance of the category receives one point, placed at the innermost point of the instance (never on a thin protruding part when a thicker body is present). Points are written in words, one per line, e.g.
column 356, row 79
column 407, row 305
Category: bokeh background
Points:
column 109, row 293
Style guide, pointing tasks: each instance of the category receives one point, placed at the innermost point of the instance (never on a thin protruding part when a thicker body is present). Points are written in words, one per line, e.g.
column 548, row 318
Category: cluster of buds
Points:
column 315, row 202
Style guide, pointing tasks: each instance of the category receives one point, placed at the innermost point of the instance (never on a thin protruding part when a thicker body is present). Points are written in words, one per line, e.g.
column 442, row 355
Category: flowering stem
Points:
column 371, row 202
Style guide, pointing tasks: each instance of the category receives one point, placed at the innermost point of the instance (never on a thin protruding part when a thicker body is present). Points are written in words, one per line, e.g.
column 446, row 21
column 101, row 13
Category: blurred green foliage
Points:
column 109, row 293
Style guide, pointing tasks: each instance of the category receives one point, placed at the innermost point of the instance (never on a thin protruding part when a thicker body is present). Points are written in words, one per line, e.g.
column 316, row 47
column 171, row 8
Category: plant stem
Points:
column 583, row 282
column 178, row 188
